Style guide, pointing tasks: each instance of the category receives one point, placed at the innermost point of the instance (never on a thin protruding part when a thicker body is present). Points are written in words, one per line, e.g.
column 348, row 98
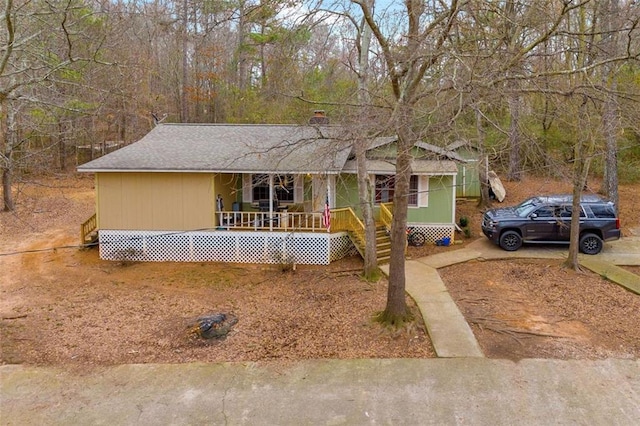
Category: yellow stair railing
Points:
column 386, row 214
column 345, row 219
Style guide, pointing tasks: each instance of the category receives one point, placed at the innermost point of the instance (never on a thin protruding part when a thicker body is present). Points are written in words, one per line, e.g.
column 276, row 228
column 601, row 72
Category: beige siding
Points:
column 155, row 201
column 225, row 185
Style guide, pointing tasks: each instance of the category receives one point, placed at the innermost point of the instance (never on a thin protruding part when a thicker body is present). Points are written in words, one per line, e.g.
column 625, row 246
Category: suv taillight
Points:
column 617, row 223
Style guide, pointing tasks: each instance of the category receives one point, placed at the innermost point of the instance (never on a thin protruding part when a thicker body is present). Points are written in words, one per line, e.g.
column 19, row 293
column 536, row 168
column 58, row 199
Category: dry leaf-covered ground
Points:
column 67, row 307
column 536, row 309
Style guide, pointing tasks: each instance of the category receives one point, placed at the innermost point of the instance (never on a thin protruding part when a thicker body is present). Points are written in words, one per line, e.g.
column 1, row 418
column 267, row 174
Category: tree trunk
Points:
column 7, row 196
column 610, row 124
column 483, row 165
column 515, row 166
column 10, row 142
column 366, row 203
column 62, row 147
column 396, row 311
column 241, row 56
column 184, row 106
column 364, row 182
column 583, row 151
column 610, row 11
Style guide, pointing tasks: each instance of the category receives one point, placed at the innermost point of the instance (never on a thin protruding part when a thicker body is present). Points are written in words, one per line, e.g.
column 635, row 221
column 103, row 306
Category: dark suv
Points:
column 547, row 219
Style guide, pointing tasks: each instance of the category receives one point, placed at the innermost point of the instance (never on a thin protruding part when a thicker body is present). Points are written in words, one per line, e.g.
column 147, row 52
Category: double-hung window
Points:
column 385, row 189
column 283, row 187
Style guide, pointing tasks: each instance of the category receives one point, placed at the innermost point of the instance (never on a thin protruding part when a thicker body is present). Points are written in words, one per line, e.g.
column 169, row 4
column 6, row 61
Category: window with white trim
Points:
column 385, row 189
column 283, row 187
column 288, row 188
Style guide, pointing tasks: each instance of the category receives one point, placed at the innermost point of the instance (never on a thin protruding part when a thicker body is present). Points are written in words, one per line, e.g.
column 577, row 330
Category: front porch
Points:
column 243, row 237
column 276, row 237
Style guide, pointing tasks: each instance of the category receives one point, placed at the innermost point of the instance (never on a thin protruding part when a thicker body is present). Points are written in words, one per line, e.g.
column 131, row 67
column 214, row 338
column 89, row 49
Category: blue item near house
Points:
column 446, row 241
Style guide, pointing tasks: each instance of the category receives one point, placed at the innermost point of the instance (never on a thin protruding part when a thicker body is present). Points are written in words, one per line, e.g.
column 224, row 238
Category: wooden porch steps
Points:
column 90, row 238
column 383, row 244
column 89, row 231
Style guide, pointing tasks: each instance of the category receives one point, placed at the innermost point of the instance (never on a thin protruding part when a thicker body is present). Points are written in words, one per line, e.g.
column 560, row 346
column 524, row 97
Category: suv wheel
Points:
column 511, row 241
column 590, row 244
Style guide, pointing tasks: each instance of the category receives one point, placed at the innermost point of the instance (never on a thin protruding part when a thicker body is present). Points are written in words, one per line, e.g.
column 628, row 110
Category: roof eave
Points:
column 292, row 172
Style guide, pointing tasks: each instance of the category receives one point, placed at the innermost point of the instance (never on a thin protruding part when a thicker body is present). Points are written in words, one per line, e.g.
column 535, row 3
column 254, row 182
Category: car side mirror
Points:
column 533, row 215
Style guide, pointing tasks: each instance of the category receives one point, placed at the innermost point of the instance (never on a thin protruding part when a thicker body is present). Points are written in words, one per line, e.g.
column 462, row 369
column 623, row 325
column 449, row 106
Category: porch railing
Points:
column 345, row 219
column 386, row 214
column 87, row 228
column 276, row 221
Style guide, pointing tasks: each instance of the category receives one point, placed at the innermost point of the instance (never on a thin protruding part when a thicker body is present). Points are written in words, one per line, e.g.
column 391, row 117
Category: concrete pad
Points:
column 626, row 259
column 625, row 251
column 474, row 391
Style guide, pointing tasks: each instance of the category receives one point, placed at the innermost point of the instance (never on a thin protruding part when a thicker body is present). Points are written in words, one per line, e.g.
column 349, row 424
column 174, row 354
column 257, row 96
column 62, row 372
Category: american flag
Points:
column 326, row 214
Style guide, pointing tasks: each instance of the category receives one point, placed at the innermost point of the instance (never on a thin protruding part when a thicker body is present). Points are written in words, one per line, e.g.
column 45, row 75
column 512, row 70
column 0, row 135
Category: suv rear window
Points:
column 603, row 210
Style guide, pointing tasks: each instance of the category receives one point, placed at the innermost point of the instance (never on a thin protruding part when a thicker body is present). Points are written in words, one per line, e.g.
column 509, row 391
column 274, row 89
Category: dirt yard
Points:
column 68, row 307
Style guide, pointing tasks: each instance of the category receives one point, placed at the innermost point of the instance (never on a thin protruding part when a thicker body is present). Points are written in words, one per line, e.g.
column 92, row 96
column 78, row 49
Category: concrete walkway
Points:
column 450, row 333
column 462, row 388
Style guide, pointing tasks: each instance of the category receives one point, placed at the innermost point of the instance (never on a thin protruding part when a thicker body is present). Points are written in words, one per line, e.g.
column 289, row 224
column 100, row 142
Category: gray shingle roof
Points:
column 230, row 148
column 442, row 151
column 429, row 167
column 248, row 148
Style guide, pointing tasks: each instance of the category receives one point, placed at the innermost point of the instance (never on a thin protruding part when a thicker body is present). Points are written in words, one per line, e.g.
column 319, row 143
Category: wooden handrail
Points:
column 345, row 219
column 275, row 221
column 386, row 214
column 87, row 227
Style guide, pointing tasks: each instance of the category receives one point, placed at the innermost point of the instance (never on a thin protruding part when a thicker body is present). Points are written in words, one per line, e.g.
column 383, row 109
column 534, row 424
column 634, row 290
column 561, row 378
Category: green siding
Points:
column 439, row 209
column 347, row 192
column 440, row 203
column 468, row 180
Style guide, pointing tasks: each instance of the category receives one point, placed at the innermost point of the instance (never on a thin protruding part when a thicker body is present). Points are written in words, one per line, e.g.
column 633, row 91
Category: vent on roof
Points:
column 319, row 117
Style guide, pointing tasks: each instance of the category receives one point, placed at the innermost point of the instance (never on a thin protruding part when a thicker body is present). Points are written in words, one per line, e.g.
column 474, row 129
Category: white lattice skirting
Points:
column 224, row 246
column 434, row 232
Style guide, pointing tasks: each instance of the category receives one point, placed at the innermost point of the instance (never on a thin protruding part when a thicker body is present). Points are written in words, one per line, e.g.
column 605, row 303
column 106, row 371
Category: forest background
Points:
column 525, row 81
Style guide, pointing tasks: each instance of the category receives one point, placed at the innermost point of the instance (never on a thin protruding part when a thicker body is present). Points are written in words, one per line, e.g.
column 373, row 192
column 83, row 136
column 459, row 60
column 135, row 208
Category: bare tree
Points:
column 583, row 152
column 363, row 44
column 442, row 50
column 610, row 14
column 42, row 46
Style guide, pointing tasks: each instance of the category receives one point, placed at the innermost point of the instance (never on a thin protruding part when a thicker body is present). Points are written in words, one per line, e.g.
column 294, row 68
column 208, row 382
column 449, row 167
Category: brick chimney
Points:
column 319, row 117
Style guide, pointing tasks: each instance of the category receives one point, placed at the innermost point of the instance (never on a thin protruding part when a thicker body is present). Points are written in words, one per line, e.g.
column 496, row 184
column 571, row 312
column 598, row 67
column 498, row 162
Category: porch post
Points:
column 329, row 203
column 453, row 195
column 270, row 202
